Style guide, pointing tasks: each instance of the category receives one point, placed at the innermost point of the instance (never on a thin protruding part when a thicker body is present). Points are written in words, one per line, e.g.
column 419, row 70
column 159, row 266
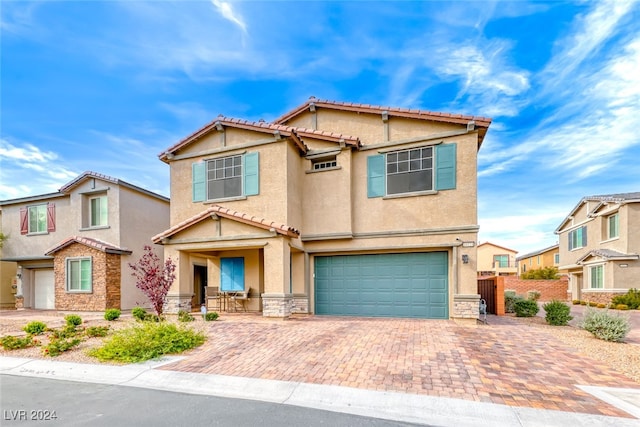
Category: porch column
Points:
column 181, row 291
column 277, row 299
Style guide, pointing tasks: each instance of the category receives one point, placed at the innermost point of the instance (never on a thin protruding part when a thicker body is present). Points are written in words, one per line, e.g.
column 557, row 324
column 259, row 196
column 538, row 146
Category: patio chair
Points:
column 213, row 295
column 239, row 299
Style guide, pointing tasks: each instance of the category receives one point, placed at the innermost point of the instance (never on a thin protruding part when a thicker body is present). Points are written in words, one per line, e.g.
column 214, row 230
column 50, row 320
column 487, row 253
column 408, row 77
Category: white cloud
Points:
column 227, row 13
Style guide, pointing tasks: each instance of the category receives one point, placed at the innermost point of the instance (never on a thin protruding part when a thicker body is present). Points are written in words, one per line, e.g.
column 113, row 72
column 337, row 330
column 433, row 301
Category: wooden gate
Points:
column 487, row 288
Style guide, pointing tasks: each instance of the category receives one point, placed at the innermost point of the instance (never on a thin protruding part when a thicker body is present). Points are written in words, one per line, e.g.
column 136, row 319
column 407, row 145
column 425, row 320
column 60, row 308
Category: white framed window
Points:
column 556, row 258
column 410, row 171
column 578, row 238
column 596, row 276
column 79, row 275
column 613, row 226
column 224, row 177
column 98, row 211
column 38, row 218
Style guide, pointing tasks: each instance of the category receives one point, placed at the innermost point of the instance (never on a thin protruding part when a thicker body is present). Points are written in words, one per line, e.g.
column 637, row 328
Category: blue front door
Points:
column 232, row 274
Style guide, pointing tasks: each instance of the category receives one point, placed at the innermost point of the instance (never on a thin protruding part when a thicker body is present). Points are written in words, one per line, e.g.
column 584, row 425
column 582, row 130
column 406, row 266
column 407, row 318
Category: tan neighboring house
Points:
column 496, row 260
column 543, row 258
column 334, row 208
column 72, row 248
column 600, row 246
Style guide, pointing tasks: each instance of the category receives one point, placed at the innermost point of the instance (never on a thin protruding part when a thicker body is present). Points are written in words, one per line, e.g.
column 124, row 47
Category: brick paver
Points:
column 505, row 362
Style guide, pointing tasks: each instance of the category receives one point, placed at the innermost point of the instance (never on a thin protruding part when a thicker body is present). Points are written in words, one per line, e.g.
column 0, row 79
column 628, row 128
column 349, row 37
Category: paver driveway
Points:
column 505, row 362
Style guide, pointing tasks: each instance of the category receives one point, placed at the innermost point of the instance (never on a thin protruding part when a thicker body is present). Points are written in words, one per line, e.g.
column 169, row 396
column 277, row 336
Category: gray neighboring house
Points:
column 600, row 246
column 72, row 248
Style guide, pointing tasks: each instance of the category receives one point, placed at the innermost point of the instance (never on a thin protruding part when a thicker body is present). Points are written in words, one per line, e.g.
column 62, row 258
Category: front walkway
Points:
column 506, row 362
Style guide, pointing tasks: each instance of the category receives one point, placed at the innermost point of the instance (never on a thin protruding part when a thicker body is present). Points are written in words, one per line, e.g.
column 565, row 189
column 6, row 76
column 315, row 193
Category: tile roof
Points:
column 607, row 254
column 229, row 214
column 619, row 197
column 377, row 109
column 90, row 242
column 90, row 174
column 497, row 246
column 541, row 251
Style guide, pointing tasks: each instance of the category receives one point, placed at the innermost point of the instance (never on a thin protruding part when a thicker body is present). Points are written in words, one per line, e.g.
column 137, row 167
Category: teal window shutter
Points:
column 198, row 177
column 251, row 174
column 446, row 167
column 375, row 176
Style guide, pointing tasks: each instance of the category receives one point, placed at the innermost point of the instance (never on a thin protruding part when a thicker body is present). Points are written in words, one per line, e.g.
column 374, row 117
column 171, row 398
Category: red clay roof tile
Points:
column 90, row 242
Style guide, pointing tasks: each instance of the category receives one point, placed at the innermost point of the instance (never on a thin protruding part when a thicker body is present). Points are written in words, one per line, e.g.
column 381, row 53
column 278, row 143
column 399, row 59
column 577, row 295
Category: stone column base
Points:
column 277, row 305
column 19, row 303
column 300, row 304
column 466, row 306
column 175, row 303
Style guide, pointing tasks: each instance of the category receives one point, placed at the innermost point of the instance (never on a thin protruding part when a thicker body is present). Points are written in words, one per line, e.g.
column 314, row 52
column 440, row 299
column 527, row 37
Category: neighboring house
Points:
column 72, row 248
column 495, row 260
column 547, row 257
column 599, row 246
column 334, row 208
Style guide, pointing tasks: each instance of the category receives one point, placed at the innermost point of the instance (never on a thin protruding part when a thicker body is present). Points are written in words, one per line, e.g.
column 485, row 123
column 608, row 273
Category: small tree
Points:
column 153, row 278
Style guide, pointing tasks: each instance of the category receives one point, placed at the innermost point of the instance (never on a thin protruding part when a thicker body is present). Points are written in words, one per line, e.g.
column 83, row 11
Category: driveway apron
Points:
column 505, row 362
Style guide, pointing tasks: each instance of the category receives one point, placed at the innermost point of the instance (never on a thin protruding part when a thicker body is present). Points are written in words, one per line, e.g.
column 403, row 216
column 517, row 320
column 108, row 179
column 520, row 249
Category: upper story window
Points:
column 414, row 170
column 225, row 177
column 38, row 219
column 501, row 261
column 98, row 211
column 578, row 238
column 613, row 226
column 319, row 165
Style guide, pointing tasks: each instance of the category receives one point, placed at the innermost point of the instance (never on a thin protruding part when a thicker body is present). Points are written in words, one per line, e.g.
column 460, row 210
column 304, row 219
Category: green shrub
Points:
column 212, row 315
column 510, row 298
column 606, row 326
column 612, row 306
column 557, row 313
column 631, row 299
column 73, row 319
column 35, row 328
column 583, row 303
column 10, row 342
column 147, row 341
column 525, row 308
column 185, row 316
column 533, row 295
column 622, row 307
column 57, row 346
column 602, row 305
column 111, row 314
column 546, row 273
column 97, row 331
column 593, row 304
column 66, row 331
column 576, row 302
column 139, row 313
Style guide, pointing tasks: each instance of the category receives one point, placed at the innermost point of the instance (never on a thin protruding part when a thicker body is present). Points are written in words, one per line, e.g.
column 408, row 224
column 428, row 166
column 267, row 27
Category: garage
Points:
column 44, row 290
column 383, row 285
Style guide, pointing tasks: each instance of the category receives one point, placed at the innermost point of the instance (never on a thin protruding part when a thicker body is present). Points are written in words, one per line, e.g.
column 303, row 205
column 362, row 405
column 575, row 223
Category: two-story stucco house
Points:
column 333, row 208
column 496, row 260
column 600, row 246
column 543, row 258
column 72, row 247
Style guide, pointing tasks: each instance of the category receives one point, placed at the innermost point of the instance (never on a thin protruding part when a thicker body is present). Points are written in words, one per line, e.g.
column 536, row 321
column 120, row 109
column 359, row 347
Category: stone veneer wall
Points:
column 277, row 305
column 466, row 306
column 105, row 280
column 300, row 304
column 175, row 303
column 599, row 297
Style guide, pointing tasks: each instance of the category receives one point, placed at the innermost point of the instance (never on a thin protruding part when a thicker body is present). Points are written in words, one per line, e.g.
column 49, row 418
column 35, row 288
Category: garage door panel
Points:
column 385, row 285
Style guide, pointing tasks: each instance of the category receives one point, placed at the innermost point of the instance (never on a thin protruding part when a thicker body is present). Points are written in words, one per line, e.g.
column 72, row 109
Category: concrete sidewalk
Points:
column 413, row 408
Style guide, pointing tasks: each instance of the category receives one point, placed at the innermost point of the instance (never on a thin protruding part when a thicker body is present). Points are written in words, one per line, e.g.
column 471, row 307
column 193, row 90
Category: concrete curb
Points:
column 379, row 404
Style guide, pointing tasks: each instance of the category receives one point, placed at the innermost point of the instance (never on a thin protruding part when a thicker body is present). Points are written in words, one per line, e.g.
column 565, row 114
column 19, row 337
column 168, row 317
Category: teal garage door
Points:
column 383, row 285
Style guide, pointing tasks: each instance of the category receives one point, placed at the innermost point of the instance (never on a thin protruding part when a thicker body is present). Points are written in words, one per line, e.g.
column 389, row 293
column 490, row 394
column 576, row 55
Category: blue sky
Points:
column 106, row 86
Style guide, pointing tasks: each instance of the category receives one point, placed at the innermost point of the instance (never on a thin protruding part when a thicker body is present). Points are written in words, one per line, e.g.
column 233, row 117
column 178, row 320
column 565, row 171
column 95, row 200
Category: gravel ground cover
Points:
column 622, row 357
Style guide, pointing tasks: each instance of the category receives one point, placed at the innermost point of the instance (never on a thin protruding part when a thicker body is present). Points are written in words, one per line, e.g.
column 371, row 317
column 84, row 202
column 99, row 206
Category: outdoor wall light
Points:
column 465, row 259
column 623, row 265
